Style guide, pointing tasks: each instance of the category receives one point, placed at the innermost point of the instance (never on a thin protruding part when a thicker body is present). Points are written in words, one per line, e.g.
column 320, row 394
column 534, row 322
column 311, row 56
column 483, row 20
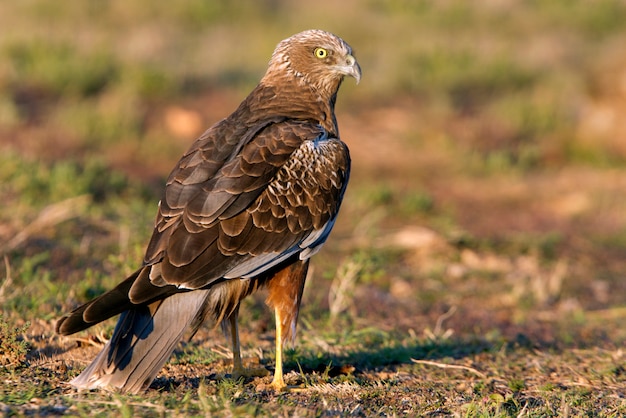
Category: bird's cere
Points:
column 350, row 68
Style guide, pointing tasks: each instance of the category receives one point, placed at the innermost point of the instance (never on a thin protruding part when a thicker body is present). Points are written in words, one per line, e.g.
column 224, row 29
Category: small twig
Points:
column 442, row 318
column 450, row 366
column 340, row 294
column 88, row 341
column 51, row 215
column 222, row 351
column 523, row 411
column 8, row 280
column 97, row 340
column 117, row 402
column 438, row 334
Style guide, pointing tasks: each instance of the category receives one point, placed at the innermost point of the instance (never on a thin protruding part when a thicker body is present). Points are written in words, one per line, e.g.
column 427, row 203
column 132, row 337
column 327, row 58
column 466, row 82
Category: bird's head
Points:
column 316, row 58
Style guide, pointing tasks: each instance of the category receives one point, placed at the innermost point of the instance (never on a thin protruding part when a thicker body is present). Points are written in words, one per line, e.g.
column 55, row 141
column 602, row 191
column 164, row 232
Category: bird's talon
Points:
column 279, row 386
column 282, row 388
column 252, row 372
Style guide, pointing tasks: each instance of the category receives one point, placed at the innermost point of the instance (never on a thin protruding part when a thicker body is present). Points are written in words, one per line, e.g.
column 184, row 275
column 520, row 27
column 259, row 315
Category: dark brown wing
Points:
column 276, row 197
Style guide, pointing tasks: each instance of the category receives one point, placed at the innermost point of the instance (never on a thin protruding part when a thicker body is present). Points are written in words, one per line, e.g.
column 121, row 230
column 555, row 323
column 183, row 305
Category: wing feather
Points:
column 243, row 208
column 185, row 247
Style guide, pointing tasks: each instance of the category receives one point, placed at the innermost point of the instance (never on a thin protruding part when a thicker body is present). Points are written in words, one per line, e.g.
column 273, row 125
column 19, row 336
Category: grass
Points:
column 476, row 268
column 14, row 349
column 482, row 379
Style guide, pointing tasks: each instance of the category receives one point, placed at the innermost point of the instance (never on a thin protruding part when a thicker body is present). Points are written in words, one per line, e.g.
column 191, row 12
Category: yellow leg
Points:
column 278, row 383
column 285, row 294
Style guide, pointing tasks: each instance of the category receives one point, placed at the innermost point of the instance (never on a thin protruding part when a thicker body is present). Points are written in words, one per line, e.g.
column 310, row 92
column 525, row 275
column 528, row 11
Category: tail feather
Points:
column 112, row 303
column 103, row 307
column 142, row 342
column 146, row 334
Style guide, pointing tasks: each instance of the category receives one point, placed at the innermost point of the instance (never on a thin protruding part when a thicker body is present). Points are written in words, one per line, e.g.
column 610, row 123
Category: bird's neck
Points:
column 290, row 100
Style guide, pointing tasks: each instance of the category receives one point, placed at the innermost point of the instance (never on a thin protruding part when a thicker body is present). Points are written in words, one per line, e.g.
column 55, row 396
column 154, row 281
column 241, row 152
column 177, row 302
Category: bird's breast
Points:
column 317, row 161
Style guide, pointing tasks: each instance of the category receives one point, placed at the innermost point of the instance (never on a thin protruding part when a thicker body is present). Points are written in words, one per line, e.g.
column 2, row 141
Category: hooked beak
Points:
column 351, row 68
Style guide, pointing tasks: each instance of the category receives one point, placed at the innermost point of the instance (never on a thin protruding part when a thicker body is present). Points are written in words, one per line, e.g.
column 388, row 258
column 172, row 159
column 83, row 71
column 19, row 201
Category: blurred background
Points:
column 488, row 143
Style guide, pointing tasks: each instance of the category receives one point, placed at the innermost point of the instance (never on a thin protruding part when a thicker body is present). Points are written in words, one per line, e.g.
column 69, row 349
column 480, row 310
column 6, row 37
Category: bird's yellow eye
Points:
column 320, row 52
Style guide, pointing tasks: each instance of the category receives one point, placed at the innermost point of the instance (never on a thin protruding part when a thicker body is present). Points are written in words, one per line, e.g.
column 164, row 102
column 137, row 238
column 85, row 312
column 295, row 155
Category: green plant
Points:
column 14, row 349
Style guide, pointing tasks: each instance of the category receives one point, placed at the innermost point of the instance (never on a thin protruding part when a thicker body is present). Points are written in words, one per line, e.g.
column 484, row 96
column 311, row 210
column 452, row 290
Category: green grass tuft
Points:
column 14, row 348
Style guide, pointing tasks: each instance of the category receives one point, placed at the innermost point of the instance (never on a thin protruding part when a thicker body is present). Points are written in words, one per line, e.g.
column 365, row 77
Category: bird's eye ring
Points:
column 320, row 53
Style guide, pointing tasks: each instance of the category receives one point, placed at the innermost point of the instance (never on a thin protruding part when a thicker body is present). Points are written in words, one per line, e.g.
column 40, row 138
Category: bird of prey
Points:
column 246, row 207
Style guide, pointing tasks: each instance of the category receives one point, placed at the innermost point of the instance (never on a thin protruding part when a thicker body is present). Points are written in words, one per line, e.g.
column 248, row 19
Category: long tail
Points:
column 105, row 306
column 142, row 342
column 146, row 334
